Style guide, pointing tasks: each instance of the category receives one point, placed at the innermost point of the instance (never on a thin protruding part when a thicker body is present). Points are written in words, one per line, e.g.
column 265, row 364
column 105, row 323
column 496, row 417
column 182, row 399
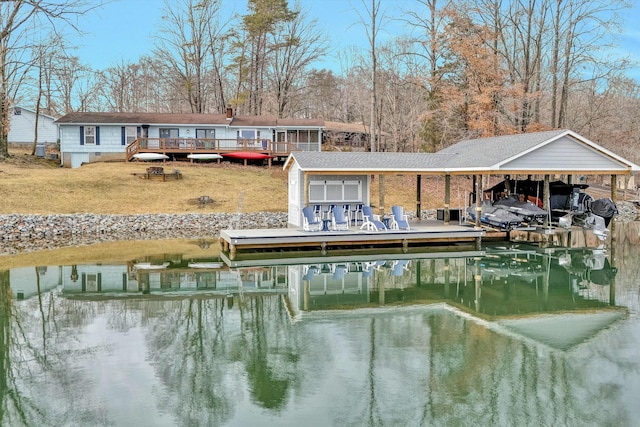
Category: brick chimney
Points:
column 229, row 113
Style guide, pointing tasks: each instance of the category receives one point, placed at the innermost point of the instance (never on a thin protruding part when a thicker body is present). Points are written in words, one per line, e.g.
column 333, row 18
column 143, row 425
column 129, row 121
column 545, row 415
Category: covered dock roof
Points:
column 550, row 152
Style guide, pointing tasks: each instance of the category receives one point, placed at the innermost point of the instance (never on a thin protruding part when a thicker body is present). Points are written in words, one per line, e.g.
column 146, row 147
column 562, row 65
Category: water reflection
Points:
column 510, row 334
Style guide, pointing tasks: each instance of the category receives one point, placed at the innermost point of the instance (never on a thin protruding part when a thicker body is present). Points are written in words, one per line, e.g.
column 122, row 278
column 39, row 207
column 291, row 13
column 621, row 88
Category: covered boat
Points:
column 518, row 205
column 569, row 204
column 495, row 216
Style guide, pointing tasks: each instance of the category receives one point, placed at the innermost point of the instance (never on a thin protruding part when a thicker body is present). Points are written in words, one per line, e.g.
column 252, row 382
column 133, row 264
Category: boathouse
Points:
column 340, row 178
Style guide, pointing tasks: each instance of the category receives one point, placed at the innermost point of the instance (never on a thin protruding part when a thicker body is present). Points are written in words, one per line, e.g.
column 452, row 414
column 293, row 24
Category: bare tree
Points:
column 186, row 43
column 15, row 19
column 296, row 45
column 372, row 21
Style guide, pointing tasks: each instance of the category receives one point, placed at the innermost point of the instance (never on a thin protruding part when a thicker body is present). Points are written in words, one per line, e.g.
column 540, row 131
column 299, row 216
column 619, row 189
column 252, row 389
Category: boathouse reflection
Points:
column 499, row 280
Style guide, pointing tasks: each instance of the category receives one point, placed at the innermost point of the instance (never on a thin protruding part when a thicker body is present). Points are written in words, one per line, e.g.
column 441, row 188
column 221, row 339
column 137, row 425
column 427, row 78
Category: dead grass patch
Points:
column 38, row 186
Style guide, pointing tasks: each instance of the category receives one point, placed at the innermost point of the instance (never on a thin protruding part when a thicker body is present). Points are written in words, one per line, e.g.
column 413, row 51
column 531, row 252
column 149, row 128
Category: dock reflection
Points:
column 493, row 282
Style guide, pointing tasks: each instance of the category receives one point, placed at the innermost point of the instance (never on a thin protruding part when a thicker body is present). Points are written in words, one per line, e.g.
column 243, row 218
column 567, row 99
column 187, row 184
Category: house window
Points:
column 247, row 134
column 90, row 135
column 206, row 133
column 17, row 111
column 169, row 132
column 131, row 134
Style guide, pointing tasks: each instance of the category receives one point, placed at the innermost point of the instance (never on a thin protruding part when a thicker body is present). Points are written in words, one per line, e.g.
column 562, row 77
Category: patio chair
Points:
column 399, row 220
column 309, row 220
column 356, row 213
column 347, row 211
column 339, row 221
column 371, row 221
column 317, row 211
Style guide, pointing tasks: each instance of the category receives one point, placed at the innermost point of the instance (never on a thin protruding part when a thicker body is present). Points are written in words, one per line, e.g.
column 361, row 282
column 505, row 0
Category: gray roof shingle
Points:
column 486, row 152
column 371, row 162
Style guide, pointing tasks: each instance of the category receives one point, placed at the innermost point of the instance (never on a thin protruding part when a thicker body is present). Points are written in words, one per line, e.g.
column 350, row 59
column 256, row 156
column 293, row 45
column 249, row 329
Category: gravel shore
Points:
column 26, row 233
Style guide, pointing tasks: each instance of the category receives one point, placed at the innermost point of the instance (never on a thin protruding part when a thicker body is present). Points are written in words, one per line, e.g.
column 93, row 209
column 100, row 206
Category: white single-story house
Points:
column 336, row 178
column 91, row 137
column 22, row 126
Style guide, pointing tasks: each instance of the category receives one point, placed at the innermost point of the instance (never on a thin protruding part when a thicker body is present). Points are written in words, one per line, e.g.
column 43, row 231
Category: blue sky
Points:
column 123, row 29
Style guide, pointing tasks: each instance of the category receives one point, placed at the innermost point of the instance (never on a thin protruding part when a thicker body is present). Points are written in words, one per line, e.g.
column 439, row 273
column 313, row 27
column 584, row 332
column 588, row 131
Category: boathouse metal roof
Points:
column 557, row 151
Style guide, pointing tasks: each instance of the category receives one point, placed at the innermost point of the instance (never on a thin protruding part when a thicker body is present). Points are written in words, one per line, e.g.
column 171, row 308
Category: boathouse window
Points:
column 335, row 191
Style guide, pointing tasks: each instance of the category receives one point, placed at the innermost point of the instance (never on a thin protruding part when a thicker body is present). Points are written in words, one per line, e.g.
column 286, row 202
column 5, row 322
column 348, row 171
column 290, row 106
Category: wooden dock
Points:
column 422, row 233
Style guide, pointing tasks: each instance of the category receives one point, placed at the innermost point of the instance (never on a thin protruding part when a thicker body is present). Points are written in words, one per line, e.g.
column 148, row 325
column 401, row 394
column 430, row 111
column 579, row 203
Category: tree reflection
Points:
column 265, row 348
column 189, row 352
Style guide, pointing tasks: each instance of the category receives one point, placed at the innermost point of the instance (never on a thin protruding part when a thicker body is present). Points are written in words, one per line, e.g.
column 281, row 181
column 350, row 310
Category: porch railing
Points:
column 176, row 145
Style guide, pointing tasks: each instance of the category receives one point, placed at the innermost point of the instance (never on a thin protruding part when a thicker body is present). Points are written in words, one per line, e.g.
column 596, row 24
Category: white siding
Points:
column 562, row 155
column 22, row 128
column 110, row 140
column 296, row 196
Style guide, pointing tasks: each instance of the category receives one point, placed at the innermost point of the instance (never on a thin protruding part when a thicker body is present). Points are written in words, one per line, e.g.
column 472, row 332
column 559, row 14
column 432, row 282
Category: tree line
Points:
column 461, row 69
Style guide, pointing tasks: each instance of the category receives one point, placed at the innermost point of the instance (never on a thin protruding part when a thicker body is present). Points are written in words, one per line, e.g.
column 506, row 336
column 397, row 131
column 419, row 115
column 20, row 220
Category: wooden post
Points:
column 381, row 195
column 447, row 199
column 418, row 196
column 305, row 183
column 478, row 191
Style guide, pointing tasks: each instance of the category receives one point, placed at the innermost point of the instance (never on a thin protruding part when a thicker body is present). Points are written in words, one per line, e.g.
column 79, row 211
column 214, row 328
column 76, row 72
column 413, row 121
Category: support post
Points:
column 447, row 199
column 381, row 194
column 478, row 191
column 418, row 196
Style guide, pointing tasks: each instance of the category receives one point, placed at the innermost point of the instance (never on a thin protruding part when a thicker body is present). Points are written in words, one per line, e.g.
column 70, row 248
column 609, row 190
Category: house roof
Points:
column 183, row 119
column 558, row 151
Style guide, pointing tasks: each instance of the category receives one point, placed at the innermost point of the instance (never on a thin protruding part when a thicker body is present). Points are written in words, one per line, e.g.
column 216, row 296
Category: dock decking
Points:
column 422, row 233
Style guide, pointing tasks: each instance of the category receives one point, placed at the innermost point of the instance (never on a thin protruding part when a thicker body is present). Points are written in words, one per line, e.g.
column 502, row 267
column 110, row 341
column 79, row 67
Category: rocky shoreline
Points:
column 27, row 233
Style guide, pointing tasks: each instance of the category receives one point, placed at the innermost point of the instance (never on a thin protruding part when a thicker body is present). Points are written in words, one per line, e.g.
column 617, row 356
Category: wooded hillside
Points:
column 461, row 69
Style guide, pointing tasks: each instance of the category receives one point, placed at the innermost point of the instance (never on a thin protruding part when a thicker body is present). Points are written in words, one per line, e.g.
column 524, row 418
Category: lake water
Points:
column 512, row 334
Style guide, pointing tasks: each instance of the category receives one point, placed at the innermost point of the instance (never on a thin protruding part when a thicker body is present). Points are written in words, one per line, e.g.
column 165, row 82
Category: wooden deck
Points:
column 180, row 148
column 422, row 233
